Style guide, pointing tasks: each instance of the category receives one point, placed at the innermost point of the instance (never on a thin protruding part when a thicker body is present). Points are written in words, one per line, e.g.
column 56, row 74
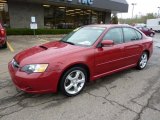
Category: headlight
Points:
column 34, row 68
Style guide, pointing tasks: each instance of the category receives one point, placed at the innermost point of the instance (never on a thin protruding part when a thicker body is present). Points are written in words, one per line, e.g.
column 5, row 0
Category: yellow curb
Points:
column 10, row 47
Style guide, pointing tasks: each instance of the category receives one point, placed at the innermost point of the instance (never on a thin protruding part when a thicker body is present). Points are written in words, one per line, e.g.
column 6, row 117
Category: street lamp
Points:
column 133, row 4
column 158, row 11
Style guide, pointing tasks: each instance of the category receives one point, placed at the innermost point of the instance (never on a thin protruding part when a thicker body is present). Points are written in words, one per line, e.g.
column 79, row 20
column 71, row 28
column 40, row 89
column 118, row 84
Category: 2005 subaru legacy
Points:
column 86, row 54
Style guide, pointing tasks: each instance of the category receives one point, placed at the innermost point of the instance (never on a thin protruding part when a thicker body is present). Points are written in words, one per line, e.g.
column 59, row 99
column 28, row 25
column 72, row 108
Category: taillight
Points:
column 2, row 32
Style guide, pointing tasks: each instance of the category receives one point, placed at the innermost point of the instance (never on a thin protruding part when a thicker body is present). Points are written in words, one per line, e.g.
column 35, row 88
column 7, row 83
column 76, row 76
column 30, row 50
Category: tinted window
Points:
column 114, row 34
column 139, row 28
column 139, row 35
column 129, row 34
column 145, row 29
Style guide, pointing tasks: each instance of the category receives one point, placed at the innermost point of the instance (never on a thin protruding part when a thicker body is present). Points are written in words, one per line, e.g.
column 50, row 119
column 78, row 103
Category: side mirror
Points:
column 107, row 43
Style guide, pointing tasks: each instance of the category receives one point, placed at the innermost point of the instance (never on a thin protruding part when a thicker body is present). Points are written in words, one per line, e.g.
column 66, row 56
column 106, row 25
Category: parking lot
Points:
column 127, row 95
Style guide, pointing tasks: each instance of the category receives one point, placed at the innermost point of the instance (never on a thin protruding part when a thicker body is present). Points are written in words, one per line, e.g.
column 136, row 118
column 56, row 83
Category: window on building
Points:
column 58, row 17
column 54, row 17
column 4, row 15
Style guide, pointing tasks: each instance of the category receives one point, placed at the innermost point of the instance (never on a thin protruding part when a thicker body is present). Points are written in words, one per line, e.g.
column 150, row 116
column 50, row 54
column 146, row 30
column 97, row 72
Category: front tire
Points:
column 142, row 61
column 73, row 81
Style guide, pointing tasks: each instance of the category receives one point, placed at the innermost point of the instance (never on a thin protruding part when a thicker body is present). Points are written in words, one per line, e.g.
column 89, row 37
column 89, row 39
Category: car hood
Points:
column 45, row 52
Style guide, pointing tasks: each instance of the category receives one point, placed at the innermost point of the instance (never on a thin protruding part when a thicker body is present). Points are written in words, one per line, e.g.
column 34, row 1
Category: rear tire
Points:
column 5, row 45
column 142, row 61
column 73, row 81
column 151, row 35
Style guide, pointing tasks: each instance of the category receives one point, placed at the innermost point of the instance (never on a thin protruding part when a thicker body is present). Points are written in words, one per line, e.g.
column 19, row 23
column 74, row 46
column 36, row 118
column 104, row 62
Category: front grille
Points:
column 15, row 64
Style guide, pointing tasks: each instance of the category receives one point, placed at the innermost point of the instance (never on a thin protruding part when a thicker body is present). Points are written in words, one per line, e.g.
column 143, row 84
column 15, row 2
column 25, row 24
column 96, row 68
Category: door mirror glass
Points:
column 106, row 43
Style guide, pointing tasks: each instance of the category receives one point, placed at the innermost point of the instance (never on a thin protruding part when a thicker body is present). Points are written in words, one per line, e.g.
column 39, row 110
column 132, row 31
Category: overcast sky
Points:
column 143, row 7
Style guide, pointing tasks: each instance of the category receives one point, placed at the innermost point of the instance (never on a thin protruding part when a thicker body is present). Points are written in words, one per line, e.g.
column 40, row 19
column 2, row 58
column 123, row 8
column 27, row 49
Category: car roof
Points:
column 109, row 25
column 114, row 25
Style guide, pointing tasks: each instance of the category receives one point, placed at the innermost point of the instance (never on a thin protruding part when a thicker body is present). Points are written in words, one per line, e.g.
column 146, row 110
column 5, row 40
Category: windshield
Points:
column 83, row 36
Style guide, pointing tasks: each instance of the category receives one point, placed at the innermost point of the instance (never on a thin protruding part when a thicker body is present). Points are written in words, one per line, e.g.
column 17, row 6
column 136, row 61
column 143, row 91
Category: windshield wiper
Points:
column 68, row 42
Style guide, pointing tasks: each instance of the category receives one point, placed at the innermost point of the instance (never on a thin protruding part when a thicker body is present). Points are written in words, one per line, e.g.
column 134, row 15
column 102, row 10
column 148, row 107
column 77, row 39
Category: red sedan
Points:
column 3, row 42
column 147, row 31
column 86, row 54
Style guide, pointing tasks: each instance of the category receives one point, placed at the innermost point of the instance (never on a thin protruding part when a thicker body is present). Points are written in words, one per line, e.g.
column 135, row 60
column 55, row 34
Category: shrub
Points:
column 114, row 19
column 25, row 31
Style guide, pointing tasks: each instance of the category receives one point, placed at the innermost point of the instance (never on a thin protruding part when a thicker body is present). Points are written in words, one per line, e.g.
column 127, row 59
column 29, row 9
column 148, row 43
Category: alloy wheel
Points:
column 143, row 60
column 74, row 82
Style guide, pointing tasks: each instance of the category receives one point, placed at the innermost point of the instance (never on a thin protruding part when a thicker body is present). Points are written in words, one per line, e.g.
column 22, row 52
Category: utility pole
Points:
column 158, row 11
column 133, row 4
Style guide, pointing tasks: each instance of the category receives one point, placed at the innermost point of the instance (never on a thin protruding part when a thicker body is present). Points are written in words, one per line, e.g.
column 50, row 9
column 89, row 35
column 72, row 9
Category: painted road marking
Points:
column 10, row 47
column 44, row 40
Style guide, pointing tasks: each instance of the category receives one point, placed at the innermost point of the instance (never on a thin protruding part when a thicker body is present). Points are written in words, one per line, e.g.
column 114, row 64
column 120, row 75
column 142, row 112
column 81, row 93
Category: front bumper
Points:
column 36, row 82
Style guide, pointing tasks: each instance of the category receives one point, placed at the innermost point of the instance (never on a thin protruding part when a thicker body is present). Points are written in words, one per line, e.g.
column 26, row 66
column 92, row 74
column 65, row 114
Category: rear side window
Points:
column 140, row 28
column 129, row 34
column 139, row 35
column 114, row 34
column 145, row 29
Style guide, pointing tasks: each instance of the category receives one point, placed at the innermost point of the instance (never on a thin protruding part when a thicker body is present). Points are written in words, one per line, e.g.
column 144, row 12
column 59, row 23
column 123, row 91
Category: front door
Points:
column 110, row 58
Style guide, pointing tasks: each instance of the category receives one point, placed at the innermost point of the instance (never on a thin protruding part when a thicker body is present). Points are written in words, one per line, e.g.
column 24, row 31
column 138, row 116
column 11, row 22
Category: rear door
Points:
column 132, row 45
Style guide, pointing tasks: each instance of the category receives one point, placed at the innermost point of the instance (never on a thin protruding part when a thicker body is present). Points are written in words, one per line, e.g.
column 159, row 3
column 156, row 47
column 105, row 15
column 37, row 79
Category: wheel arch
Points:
column 148, row 53
column 75, row 65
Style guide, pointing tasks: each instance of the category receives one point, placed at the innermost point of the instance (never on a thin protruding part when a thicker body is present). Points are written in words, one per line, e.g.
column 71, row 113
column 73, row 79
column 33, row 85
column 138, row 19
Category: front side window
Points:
column 86, row 36
column 129, row 34
column 114, row 34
